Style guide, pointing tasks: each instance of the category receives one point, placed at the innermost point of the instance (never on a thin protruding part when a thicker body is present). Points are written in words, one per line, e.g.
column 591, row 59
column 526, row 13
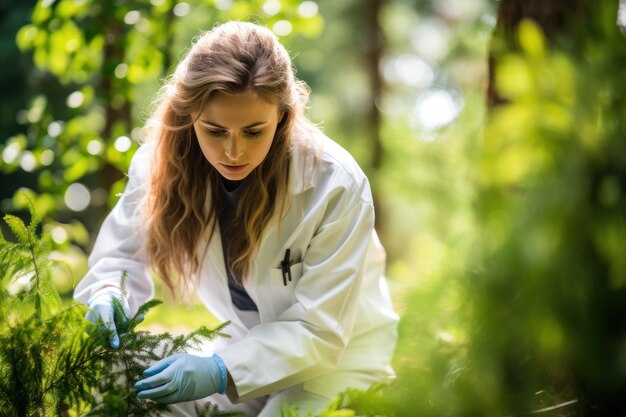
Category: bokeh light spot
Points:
column 77, row 197
column 11, row 152
column 121, row 70
column 308, row 9
column 282, row 28
column 436, row 109
column 94, row 147
column 55, row 128
column 223, row 4
column 271, row 7
column 132, row 17
column 59, row 235
column 75, row 100
column 122, row 144
column 28, row 162
column 47, row 157
column 181, row 9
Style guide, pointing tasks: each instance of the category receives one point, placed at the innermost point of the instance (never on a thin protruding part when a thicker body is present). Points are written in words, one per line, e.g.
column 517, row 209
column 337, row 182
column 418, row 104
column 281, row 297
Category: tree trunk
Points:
column 375, row 44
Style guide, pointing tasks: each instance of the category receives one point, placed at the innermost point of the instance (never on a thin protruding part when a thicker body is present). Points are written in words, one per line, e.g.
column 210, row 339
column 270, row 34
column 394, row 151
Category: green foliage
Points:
column 548, row 302
column 137, row 350
column 372, row 402
column 212, row 410
column 44, row 347
column 51, row 359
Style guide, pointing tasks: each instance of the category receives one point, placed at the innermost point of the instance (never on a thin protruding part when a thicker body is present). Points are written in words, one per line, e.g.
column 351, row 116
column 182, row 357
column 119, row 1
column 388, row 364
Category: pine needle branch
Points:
column 54, row 362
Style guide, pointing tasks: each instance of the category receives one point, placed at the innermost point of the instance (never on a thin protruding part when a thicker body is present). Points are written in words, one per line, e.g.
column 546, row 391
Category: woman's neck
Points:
column 231, row 185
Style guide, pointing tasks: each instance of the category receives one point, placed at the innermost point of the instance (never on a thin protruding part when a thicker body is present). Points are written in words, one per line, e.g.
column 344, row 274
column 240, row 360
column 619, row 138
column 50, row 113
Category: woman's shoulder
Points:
column 319, row 159
column 141, row 162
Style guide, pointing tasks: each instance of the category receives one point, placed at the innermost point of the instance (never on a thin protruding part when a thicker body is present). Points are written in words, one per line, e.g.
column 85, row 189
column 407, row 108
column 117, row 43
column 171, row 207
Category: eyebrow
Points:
column 251, row 125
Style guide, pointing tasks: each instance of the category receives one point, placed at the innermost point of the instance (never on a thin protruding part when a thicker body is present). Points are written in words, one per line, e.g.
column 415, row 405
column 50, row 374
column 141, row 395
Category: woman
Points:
column 239, row 199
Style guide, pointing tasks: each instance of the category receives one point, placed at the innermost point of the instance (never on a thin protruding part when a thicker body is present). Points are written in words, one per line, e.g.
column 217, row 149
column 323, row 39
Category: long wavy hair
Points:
column 182, row 201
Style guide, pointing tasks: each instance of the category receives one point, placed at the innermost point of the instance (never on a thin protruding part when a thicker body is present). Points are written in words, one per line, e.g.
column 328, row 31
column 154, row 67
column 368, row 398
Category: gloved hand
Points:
column 183, row 377
column 114, row 316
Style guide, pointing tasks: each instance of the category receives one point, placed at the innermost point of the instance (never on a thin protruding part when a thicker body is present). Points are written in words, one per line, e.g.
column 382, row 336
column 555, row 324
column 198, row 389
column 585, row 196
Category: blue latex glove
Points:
column 115, row 320
column 183, row 377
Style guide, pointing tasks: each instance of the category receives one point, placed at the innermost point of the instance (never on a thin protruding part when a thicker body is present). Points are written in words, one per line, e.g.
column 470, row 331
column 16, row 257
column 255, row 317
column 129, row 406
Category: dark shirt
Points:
column 230, row 191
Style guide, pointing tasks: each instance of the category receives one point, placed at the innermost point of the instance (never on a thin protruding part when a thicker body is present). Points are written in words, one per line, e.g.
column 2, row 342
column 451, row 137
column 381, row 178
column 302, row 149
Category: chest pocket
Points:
column 283, row 295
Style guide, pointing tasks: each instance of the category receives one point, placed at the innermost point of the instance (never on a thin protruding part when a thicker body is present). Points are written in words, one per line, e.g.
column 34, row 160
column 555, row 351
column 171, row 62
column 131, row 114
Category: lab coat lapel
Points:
column 302, row 176
column 273, row 244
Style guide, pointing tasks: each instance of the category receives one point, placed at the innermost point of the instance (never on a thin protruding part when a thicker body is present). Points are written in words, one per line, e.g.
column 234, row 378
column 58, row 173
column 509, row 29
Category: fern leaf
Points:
column 17, row 226
column 43, row 245
column 16, row 269
column 62, row 264
column 147, row 306
column 194, row 339
column 49, row 294
column 11, row 254
column 35, row 218
column 76, row 369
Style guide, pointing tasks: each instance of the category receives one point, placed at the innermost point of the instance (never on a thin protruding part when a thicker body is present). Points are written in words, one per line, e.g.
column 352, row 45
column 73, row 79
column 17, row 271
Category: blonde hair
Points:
column 234, row 57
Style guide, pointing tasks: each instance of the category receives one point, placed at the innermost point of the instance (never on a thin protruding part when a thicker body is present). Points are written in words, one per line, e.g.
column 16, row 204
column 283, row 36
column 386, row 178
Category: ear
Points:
column 281, row 115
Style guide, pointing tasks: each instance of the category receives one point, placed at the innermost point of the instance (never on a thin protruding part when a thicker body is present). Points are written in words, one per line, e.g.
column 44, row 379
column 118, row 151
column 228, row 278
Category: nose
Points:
column 234, row 148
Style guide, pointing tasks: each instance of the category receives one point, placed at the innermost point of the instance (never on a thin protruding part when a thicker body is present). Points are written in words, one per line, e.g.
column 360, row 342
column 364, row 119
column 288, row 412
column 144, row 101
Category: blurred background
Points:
column 493, row 135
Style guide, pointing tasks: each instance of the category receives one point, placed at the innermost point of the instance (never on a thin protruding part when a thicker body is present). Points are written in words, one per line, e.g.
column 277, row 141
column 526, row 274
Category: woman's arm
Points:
column 119, row 245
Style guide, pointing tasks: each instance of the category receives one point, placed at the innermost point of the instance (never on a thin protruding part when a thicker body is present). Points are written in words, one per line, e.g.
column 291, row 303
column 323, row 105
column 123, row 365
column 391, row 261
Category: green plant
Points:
column 212, row 410
column 372, row 402
column 52, row 361
column 548, row 300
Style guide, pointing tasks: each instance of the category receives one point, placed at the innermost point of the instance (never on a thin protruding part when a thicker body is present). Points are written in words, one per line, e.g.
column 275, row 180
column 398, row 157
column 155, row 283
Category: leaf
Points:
column 35, row 218
column 48, row 292
column 25, row 37
column 42, row 12
column 17, row 226
column 147, row 306
column 531, row 38
column 77, row 170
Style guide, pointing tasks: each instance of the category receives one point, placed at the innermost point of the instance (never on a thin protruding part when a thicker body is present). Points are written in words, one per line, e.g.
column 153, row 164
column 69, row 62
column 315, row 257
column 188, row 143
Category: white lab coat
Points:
column 331, row 327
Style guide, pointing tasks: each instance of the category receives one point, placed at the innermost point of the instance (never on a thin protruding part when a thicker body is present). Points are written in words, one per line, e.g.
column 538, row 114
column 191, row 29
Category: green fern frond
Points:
column 18, row 228
column 52, row 360
column 76, row 369
column 35, row 218
column 43, row 244
column 146, row 307
column 14, row 264
column 195, row 338
column 47, row 289
column 7, row 252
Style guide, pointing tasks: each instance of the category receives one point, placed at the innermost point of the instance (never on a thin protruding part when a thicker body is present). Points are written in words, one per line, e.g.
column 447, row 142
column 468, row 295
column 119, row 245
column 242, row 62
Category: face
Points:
column 235, row 132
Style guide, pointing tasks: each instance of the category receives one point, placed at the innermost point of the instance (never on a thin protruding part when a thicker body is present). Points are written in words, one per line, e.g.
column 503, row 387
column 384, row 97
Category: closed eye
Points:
column 253, row 133
column 217, row 132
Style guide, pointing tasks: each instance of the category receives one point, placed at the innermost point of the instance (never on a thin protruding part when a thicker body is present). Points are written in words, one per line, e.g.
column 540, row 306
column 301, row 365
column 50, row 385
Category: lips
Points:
column 234, row 168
